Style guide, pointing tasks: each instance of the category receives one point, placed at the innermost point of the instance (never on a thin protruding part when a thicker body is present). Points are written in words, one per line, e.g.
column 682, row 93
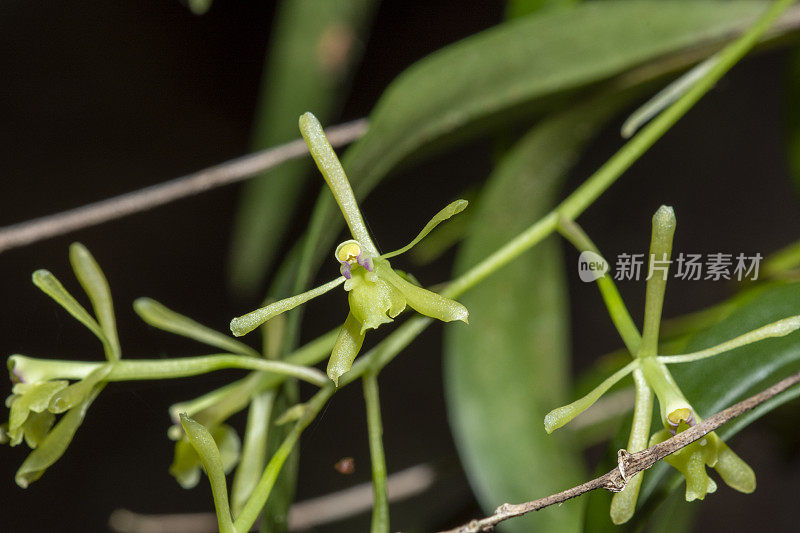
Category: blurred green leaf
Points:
column 198, row 7
column 792, row 115
column 314, row 47
column 517, row 341
column 95, row 284
column 161, row 317
column 522, row 8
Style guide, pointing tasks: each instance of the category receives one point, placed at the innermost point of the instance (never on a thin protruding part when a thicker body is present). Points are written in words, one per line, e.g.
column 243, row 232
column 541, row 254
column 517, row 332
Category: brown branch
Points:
column 232, row 171
column 630, row 464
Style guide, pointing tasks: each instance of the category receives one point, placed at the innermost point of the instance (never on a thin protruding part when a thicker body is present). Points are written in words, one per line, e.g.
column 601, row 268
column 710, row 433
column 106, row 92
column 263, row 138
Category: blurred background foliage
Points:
column 100, row 99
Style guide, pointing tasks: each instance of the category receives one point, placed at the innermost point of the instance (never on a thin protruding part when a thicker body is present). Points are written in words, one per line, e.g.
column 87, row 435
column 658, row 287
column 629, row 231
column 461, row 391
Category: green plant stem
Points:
column 623, row 504
column 380, row 506
column 135, row 370
column 620, row 315
column 256, row 502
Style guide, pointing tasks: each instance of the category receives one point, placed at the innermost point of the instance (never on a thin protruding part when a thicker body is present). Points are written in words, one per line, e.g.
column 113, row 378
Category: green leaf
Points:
column 792, row 116
column 522, row 8
column 716, row 383
column 161, row 317
column 518, row 342
column 313, row 49
column 49, row 284
column 95, row 284
column 203, row 443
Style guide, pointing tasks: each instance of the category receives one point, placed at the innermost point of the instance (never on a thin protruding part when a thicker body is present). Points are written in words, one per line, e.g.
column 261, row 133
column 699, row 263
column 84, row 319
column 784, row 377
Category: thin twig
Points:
column 303, row 515
column 630, row 464
column 226, row 173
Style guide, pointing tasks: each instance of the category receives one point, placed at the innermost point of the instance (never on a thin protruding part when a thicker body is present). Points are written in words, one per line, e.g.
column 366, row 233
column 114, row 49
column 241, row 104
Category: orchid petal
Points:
column 247, row 323
column 164, row 318
column 562, row 415
column 346, row 348
column 422, row 300
column 95, row 284
column 449, row 211
column 331, row 169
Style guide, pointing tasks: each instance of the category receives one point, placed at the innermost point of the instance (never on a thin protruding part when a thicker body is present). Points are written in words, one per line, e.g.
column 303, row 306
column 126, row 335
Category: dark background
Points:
column 100, row 98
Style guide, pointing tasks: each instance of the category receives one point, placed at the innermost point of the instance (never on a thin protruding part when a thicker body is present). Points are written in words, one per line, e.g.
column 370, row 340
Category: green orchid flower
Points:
column 651, row 375
column 29, row 416
column 377, row 293
column 42, row 388
column 677, row 415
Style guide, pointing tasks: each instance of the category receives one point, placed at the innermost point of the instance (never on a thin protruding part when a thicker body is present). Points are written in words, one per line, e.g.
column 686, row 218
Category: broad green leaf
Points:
column 95, row 284
column 313, row 48
column 161, row 317
column 49, row 284
column 792, row 116
column 517, row 342
column 523, row 8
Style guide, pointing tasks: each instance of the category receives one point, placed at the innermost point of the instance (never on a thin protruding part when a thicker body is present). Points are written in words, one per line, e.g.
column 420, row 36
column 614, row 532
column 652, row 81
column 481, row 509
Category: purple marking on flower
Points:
column 16, row 376
column 345, row 270
column 364, row 261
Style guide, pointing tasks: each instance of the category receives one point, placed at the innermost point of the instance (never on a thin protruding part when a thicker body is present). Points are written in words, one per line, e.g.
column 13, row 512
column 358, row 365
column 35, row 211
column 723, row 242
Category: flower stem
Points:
column 619, row 313
column 136, row 370
column 380, row 507
column 256, row 502
column 623, row 504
